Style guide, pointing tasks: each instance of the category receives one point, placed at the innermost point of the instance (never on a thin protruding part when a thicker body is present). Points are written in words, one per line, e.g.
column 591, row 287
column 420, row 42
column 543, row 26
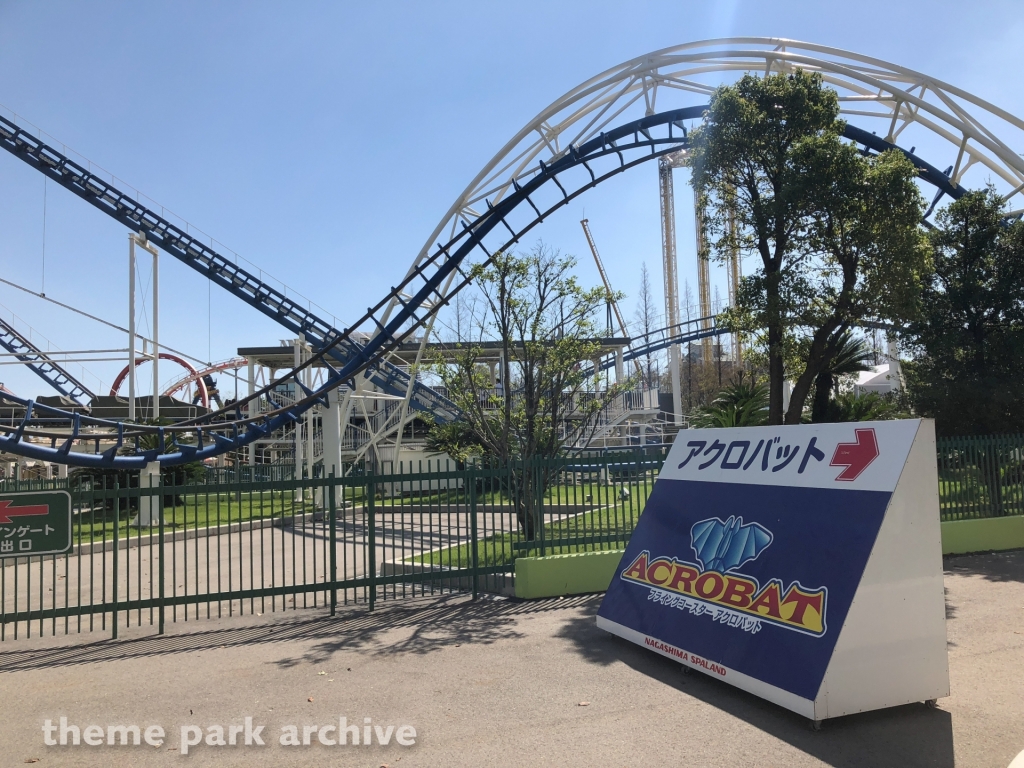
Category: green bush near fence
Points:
column 981, row 477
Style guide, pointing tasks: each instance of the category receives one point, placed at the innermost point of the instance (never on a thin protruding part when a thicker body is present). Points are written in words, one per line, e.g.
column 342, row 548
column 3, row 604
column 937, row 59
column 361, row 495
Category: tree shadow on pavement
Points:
column 994, row 566
column 416, row 631
column 419, row 631
column 412, row 626
column 901, row 737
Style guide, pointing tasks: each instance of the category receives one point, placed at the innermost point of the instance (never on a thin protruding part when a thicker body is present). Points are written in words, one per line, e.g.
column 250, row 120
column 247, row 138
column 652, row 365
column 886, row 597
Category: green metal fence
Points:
column 981, row 476
column 228, row 544
column 220, row 548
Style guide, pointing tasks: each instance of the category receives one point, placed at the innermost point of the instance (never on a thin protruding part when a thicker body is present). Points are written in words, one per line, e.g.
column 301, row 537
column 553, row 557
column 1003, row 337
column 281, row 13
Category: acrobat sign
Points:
column 802, row 564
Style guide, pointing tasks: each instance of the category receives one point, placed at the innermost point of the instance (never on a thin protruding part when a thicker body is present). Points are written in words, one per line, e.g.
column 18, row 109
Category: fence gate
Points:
column 121, row 555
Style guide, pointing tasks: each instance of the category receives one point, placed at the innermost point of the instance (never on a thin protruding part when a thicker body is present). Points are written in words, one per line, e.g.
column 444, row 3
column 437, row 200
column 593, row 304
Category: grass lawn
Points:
column 605, row 528
column 197, row 511
column 965, row 495
column 599, row 493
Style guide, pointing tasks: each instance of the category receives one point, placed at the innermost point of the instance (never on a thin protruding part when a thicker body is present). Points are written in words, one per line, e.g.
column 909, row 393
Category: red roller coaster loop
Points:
column 174, row 359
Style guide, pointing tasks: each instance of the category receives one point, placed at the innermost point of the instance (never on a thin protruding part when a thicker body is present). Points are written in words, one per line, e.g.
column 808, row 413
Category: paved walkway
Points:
column 241, row 557
column 498, row 683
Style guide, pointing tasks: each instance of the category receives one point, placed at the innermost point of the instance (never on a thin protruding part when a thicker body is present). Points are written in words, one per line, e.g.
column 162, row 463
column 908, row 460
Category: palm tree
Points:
column 741, row 404
column 851, row 357
column 870, row 406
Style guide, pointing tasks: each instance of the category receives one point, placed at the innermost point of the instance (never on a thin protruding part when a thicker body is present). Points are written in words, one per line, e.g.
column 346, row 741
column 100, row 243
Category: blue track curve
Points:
column 42, row 365
column 641, row 140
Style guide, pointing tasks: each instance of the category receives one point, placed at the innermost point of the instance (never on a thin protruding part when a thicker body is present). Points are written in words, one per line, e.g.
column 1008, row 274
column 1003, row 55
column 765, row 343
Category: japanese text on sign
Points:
column 768, row 453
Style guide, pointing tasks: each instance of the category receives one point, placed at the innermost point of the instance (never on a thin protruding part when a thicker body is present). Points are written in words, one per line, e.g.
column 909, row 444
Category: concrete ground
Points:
column 497, row 683
column 244, row 557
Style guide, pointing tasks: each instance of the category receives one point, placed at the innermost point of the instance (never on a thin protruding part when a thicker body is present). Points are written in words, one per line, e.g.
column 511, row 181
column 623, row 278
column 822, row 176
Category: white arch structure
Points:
column 687, row 75
column 899, row 104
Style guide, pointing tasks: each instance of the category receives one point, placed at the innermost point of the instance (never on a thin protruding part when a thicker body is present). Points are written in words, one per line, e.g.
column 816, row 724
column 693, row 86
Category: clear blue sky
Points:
column 323, row 141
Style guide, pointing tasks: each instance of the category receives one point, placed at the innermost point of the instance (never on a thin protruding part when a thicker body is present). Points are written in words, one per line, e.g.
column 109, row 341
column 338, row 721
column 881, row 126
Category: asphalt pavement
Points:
column 494, row 682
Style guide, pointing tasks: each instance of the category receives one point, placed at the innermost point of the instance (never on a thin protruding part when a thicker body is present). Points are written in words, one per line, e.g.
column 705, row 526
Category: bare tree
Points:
column 645, row 323
column 687, row 304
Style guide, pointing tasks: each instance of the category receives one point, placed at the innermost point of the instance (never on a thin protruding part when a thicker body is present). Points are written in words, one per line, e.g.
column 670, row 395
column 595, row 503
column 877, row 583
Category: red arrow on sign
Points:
column 855, row 456
column 6, row 514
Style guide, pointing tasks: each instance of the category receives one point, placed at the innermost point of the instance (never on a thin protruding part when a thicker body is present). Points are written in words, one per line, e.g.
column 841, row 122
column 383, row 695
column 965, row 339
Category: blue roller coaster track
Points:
column 50, row 434
column 42, row 365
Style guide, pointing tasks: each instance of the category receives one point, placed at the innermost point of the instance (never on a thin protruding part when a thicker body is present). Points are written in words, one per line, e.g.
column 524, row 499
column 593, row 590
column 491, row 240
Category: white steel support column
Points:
column 677, row 393
column 139, row 239
column 331, row 430
column 735, row 272
column 623, row 329
column 670, row 272
column 345, row 407
column 310, row 421
column 251, row 448
column 131, row 326
column 156, row 329
column 149, row 506
column 299, row 458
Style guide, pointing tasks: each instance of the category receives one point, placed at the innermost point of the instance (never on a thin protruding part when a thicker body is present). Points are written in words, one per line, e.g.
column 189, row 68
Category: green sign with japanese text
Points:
column 35, row 523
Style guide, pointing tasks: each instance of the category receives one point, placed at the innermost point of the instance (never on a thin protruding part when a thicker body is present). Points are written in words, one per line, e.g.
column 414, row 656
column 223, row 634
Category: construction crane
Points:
column 607, row 285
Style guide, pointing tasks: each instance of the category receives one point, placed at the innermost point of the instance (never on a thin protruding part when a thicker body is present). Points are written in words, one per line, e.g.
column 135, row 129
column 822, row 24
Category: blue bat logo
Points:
column 724, row 545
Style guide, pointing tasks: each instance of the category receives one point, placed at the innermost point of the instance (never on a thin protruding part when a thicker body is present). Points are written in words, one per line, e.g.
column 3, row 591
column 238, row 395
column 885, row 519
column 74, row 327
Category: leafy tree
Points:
column 543, row 323
column 969, row 371
column 457, row 439
column 837, row 233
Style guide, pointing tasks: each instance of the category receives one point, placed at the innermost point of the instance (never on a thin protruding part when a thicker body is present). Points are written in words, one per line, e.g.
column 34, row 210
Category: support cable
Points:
column 99, row 320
